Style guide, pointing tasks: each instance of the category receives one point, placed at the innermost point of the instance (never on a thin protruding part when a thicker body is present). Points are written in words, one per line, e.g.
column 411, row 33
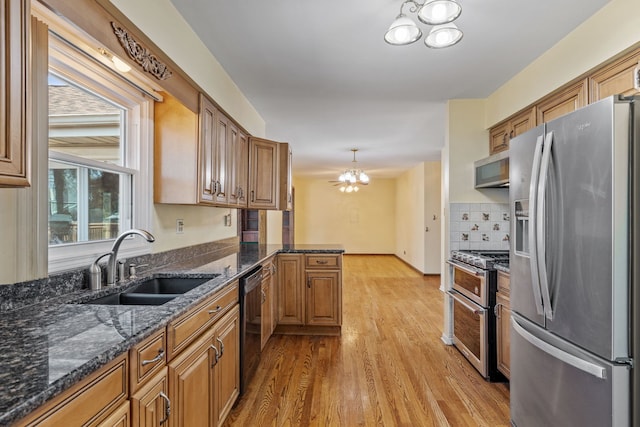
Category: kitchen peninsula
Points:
column 49, row 347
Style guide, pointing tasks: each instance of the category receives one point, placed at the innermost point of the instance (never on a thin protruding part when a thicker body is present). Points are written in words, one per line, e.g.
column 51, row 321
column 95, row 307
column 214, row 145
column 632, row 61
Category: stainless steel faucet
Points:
column 113, row 255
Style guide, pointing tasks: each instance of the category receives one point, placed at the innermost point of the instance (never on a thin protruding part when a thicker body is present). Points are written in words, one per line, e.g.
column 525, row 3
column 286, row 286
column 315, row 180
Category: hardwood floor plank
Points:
column 388, row 368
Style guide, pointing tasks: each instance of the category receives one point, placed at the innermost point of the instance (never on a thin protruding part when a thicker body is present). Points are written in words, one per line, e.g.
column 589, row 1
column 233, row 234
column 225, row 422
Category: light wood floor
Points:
column 389, row 367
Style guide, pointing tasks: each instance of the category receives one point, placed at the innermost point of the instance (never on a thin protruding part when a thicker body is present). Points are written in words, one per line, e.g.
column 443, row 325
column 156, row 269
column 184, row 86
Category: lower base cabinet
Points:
column 119, row 418
column 150, row 405
column 205, row 378
column 503, row 324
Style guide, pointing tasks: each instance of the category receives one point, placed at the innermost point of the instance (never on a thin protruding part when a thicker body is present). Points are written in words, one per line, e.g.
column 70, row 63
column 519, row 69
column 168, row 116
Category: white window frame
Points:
column 69, row 62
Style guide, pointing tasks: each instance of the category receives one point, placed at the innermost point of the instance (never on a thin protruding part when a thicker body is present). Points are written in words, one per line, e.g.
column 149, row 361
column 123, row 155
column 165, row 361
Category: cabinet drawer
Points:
column 189, row 326
column 88, row 402
column 322, row 261
column 147, row 358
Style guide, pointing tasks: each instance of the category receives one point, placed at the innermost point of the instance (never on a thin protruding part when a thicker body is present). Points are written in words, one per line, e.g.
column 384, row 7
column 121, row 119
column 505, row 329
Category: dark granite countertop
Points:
column 504, row 267
column 47, row 347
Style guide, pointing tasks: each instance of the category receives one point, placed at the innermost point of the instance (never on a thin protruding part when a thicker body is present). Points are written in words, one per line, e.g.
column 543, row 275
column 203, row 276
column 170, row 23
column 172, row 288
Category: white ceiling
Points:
column 324, row 80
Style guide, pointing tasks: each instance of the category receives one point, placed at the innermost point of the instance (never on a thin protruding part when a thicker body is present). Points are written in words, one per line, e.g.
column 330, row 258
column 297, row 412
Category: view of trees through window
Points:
column 86, row 187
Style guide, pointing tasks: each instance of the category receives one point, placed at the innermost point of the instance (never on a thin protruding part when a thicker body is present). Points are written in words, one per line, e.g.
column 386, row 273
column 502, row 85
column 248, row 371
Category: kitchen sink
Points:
column 154, row 291
column 132, row 298
column 167, row 285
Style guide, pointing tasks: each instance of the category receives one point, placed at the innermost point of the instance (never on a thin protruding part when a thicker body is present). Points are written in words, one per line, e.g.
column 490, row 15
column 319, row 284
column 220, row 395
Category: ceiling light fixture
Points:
column 439, row 13
column 350, row 178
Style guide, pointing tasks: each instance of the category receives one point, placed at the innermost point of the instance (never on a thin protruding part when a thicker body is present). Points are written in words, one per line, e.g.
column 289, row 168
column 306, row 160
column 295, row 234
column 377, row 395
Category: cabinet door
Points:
column 267, row 305
column 15, row 30
column 503, row 340
column 118, row 418
column 238, row 165
column 263, row 174
column 499, row 138
column 150, row 406
column 285, row 177
column 563, row 102
column 227, row 369
column 220, row 172
column 191, row 381
column 323, row 298
column 620, row 77
column 291, row 298
column 523, row 122
column 207, row 122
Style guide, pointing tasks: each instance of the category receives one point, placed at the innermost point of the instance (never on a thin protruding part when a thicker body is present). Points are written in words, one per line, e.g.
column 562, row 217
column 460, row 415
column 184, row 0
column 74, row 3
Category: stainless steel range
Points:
column 473, row 290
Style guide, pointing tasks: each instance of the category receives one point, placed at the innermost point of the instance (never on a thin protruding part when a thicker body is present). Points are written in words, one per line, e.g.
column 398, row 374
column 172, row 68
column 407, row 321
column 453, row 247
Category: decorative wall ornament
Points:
column 148, row 61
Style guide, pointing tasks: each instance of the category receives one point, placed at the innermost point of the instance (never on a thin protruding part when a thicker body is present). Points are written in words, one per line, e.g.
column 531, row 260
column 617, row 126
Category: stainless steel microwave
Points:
column 492, row 171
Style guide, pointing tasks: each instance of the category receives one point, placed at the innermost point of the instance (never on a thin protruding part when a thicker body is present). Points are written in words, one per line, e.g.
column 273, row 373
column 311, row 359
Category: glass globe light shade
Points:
column 443, row 36
column 342, row 178
column 349, row 189
column 437, row 12
column 355, row 188
column 402, row 31
column 364, row 178
column 342, row 189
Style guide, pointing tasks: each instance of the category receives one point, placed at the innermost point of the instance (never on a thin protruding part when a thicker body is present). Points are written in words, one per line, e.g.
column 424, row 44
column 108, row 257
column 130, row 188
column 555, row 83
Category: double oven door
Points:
column 472, row 321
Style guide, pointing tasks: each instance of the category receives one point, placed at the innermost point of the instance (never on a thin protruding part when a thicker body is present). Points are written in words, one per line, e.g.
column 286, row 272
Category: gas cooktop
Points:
column 484, row 259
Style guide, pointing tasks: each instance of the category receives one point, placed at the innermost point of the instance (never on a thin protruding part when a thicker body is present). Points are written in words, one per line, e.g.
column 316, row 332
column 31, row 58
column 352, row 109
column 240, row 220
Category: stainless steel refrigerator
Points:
column 574, row 263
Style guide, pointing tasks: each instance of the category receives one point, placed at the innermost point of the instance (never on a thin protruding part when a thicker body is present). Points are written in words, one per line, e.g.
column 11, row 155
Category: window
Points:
column 100, row 159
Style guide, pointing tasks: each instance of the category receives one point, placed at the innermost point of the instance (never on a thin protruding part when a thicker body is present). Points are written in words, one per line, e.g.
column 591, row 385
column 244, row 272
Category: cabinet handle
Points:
column 217, row 310
column 156, row 359
column 309, row 282
column 167, row 407
column 496, row 310
column 322, row 261
column 215, row 359
column 221, row 346
column 253, row 196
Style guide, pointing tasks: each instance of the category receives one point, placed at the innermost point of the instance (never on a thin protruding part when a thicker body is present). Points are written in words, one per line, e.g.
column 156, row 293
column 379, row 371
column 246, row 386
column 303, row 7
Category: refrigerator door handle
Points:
column 533, row 250
column 540, row 226
column 568, row 358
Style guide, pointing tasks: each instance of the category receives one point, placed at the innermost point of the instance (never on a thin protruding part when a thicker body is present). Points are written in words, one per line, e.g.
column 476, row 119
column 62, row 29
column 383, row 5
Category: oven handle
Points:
column 475, row 309
column 466, row 267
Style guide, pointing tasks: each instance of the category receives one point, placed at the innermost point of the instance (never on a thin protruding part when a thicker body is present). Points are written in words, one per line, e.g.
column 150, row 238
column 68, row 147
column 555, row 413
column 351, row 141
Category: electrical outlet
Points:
column 179, row 226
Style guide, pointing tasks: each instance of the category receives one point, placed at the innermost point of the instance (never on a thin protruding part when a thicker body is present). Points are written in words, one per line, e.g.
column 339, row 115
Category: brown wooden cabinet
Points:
column 267, row 314
column 89, row 402
column 191, row 384
column 205, row 376
column 15, row 140
column 290, row 289
column 500, row 135
column 309, row 293
column 503, row 324
column 147, row 358
column 150, row 406
column 263, row 174
column 121, row 417
column 622, row 76
column 199, row 158
column 562, row 102
column 226, row 372
column 270, row 175
column 237, row 166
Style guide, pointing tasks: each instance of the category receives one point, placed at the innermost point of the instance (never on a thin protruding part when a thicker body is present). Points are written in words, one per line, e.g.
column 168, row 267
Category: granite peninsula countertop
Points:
column 47, row 347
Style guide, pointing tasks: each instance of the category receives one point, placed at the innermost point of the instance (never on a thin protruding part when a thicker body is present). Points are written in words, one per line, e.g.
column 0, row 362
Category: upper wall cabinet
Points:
column 270, row 181
column 563, row 102
column 199, row 158
column 500, row 135
column 15, row 18
column 620, row 77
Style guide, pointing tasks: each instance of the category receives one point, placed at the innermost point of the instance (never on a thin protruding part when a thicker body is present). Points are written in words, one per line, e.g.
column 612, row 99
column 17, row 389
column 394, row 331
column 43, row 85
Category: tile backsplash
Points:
column 479, row 226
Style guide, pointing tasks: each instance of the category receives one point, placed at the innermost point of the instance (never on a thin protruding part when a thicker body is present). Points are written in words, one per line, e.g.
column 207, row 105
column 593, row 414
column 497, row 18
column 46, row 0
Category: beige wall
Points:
column 364, row 222
column 611, row 30
column 410, row 215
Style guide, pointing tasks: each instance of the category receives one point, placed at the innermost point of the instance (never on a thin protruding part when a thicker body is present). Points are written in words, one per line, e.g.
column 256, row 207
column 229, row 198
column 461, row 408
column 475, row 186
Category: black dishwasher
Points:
column 250, row 325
